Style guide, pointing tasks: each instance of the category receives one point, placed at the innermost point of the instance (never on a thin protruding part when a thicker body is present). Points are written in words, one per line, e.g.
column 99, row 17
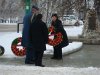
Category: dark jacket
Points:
column 39, row 35
column 26, row 28
column 59, row 28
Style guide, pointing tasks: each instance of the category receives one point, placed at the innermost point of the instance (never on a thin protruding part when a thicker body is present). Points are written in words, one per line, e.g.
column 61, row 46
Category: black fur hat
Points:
column 35, row 7
column 55, row 15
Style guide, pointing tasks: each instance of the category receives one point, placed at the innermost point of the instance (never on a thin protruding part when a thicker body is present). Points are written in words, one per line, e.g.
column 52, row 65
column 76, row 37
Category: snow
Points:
column 74, row 46
column 8, row 23
column 6, row 40
column 74, row 31
column 32, row 70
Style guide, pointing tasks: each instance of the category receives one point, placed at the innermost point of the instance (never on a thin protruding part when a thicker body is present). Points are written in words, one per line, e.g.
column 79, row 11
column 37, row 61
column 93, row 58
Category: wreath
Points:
column 56, row 37
column 16, row 47
column 2, row 50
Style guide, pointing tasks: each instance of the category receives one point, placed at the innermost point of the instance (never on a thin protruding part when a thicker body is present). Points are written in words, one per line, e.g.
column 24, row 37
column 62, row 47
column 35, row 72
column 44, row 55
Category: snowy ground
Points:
column 74, row 31
column 6, row 39
column 31, row 70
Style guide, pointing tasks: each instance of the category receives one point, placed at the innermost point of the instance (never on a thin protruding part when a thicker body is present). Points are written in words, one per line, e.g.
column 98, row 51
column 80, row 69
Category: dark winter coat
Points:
column 39, row 35
column 26, row 28
column 59, row 28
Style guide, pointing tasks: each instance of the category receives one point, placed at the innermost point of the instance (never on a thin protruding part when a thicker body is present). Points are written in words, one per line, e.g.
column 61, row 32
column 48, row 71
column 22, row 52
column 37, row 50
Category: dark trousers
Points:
column 30, row 55
column 38, row 59
column 57, row 52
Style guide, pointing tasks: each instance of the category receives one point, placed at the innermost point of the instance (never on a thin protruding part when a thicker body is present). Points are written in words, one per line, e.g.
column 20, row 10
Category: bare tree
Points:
column 47, row 7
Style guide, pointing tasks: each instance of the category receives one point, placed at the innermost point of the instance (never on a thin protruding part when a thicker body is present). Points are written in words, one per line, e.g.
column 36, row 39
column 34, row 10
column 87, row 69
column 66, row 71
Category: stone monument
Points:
column 91, row 30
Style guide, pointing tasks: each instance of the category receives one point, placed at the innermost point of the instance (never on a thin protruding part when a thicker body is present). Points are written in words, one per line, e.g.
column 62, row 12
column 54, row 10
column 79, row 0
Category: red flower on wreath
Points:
column 16, row 47
column 57, row 37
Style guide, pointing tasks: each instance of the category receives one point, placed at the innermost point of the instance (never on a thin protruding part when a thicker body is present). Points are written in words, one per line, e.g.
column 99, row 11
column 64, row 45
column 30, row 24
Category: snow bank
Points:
column 74, row 46
column 6, row 41
column 74, row 31
column 32, row 70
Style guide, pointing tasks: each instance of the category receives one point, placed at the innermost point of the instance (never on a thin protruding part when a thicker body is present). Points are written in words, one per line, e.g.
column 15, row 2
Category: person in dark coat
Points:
column 39, row 38
column 27, row 20
column 57, row 24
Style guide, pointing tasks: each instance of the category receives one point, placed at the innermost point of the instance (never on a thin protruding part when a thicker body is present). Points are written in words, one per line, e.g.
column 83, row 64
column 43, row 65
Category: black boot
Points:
column 40, row 65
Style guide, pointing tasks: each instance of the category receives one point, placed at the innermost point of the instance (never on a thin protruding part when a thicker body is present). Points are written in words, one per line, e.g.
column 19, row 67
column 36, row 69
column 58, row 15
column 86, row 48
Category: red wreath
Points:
column 15, row 47
column 57, row 39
